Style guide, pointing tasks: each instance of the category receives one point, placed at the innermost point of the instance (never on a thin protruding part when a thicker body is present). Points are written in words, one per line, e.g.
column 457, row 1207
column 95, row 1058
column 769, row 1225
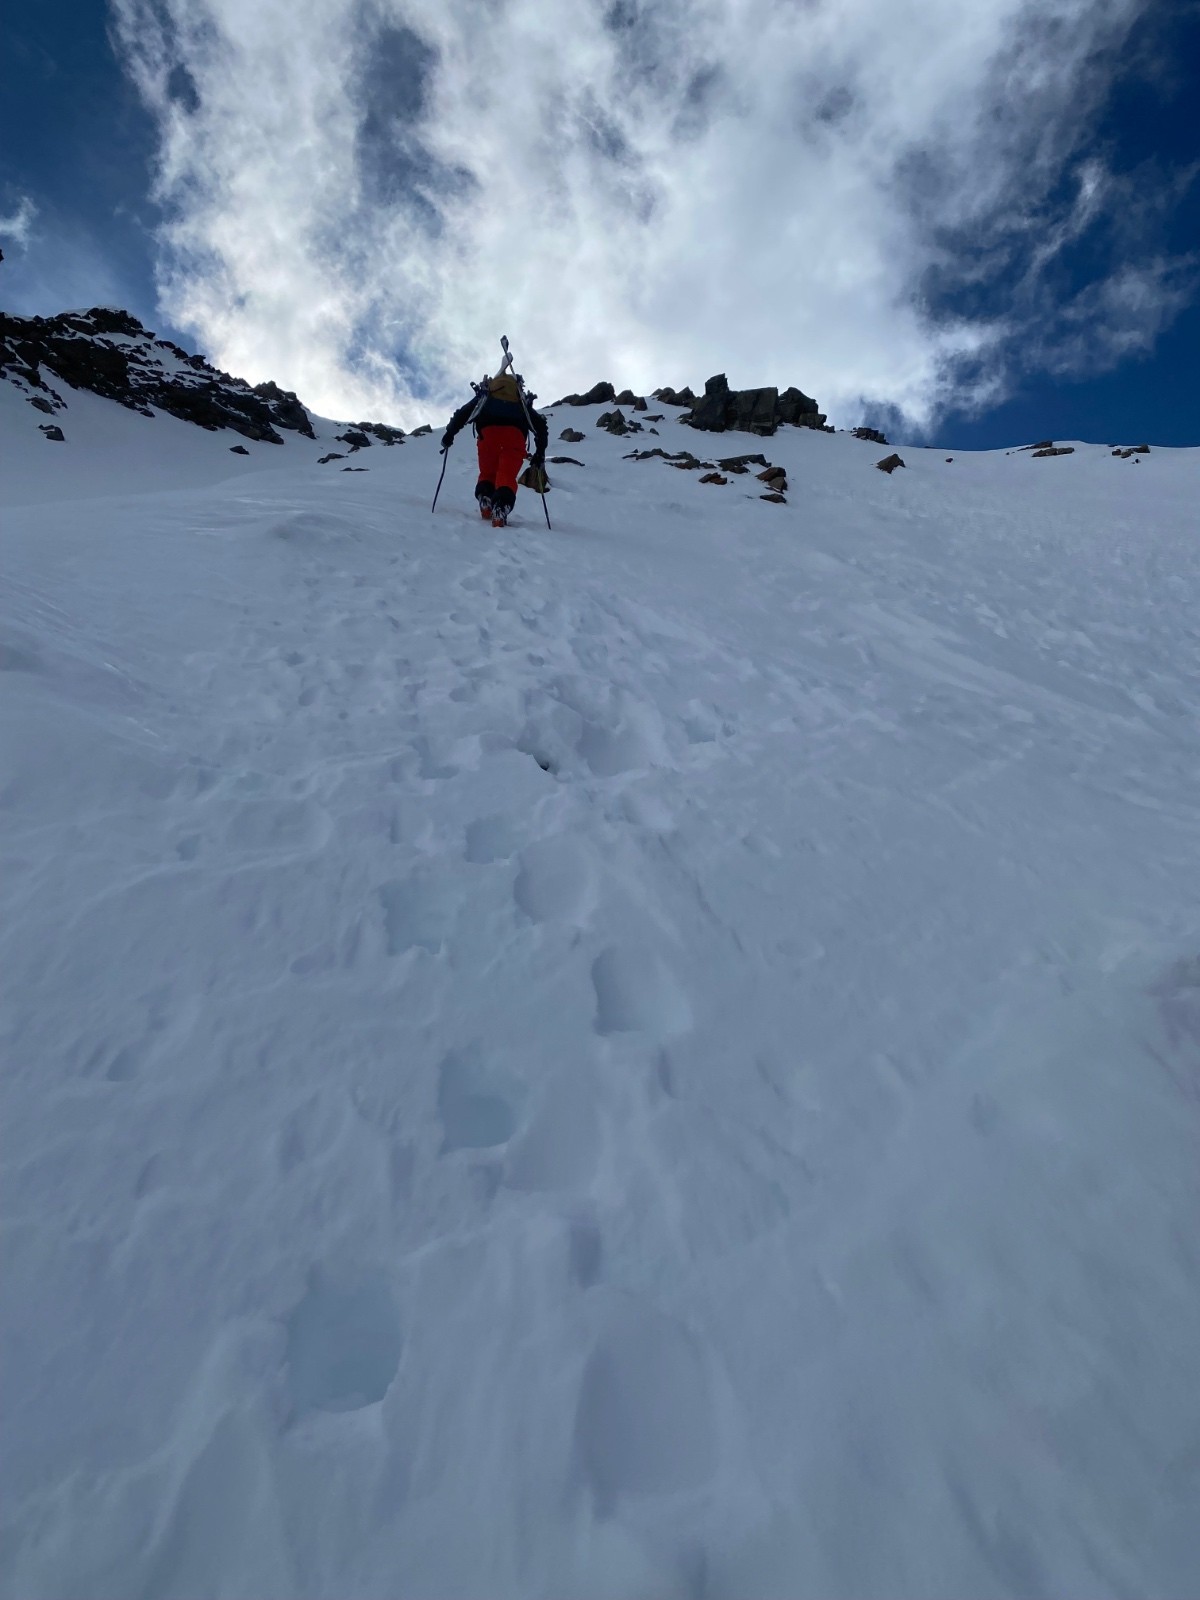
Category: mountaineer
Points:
column 504, row 417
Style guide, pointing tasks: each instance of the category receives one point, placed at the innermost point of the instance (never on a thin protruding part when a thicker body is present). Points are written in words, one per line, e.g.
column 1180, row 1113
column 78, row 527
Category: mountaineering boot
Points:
column 485, row 510
column 503, row 499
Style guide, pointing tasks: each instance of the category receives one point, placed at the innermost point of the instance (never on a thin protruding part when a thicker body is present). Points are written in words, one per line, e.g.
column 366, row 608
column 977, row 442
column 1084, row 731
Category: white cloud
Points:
column 17, row 227
column 365, row 193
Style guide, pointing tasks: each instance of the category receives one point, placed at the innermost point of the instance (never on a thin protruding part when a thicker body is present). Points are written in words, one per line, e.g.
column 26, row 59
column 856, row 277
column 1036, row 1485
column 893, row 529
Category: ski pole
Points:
column 438, row 490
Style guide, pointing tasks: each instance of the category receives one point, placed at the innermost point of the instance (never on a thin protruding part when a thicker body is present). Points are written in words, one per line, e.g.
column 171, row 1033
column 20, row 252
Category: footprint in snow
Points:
column 645, row 1421
column 555, row 882
column 636, row 993
column 491, row 839
column 476, row 1102
column 343, row 1344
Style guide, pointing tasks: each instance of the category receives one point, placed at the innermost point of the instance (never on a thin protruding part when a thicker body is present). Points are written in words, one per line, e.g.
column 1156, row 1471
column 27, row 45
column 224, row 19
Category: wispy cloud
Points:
column 364, row 193
column 55, row 262
column 16, row 227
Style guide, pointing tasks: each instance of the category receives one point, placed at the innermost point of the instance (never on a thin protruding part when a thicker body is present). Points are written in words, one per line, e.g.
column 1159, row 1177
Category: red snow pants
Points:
column 501, row 456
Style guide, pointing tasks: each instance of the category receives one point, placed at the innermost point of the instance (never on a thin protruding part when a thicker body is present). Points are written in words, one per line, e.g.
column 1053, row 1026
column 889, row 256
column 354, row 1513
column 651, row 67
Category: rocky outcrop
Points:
column 721, row 409
column 285, row 408
column 872, row 435
column 600, row 394
column 675, row 397
column 773, row 479
column 684, row 459
column 616, row 422
column 108, row 352
column 1055, row 450
column 571, row 435
column 381, row 433
column 889, row 464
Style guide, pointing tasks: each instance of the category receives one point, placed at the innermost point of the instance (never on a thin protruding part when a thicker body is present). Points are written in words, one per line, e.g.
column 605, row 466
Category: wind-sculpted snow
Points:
column 661, row 1058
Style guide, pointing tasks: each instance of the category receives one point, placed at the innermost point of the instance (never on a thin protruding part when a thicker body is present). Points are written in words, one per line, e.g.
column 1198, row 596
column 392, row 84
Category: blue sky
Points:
column 1003, row 338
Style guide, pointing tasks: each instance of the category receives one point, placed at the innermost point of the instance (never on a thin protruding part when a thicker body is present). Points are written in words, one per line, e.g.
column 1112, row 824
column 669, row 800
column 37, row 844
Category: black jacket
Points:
column 501, row 414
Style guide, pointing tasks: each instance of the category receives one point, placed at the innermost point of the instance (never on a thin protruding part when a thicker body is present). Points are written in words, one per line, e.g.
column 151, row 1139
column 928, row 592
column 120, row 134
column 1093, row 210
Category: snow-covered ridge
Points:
column 109, row 352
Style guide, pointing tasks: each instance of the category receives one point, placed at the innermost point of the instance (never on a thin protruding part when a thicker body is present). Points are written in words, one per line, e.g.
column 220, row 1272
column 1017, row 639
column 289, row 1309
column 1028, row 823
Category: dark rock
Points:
column 1060, row 450
column 356, row 469
column 571, row 435
column 382, row 432
column 653, row 416
column 775, row 498
column 708, row 414
column 356, row 439
column 208, row 406
column 42, row 405
column 1042, row 444
column 713, row 477
column 286, row 410
column 419, row 433
column 799, row 409
column 52, row 432
column 1133, row 450
column 740, row 463
column 616, row 422
column 675, row 397
column 238, row 450
column 674, row 458
column 873, row 435
column 639, row 404
column 754, row 411
column 748, row 410
column 774, row 478
column 333, row 456
column 625, row 398
column 110, row 319
column 80, row 348
column 598, row 395
column 889, row 463
column 565, row 461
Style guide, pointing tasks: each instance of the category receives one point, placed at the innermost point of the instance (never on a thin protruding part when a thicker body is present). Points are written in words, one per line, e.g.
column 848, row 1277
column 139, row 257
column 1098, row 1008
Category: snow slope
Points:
column 655, row 1059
